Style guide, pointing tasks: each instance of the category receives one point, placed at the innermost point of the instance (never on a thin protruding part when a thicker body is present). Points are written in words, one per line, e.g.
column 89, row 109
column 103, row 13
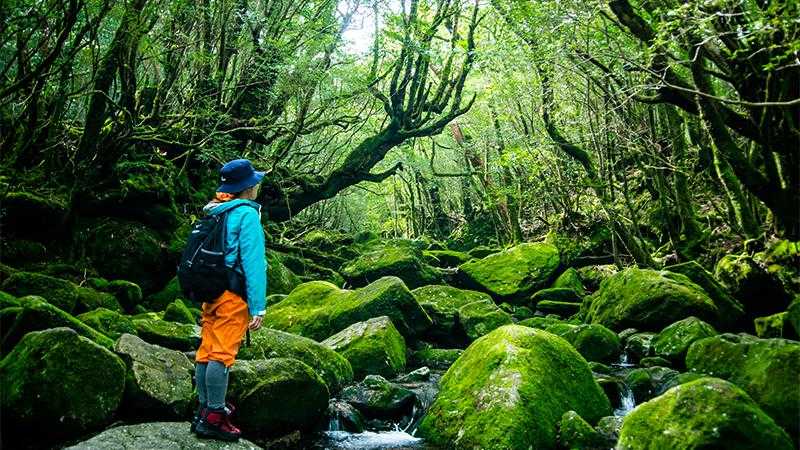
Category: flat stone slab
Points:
column 160, row 435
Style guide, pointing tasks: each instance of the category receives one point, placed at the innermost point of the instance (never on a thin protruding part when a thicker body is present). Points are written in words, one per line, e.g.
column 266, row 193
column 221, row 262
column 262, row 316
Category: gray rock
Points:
column 160, row 435
column 377, row 397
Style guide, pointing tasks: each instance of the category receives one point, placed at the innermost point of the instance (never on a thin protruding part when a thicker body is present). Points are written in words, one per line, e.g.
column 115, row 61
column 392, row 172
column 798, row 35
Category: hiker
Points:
column 226, row 319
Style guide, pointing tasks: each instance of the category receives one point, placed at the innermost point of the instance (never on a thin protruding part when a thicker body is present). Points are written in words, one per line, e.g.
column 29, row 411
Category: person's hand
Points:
column 255, row 323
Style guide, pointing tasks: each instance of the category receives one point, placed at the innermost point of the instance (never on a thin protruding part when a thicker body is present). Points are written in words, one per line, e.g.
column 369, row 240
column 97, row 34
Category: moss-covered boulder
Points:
column 782, row 259
column 445, row 258
column 60, row 293
column 649, row 300
column 760, row 292
column 267, row 343
column 648, row 382
column 561, row 309
column 442, row 303
column 7, row 300
column 514, row 274
column 158, row 381
column 574, row 433
column 35, row 313
column 22, row 253
column 555, row 295
column 793, row 315
column 151, row 435
column 673, row 342
column 177, row 311
column 639, row 345
column 276, row 396
column 541, row 322
column 319, row 309
column 570, row 279
column 163, row 298
column 377, row 397
column 479, row 318
column 594, row 342
column 177, row 336
column 59, row 381
column 593, row 276
column 126, row 250
column 767, row 369
column 403, row 261
column 436, row 358
column 128, row 294
column 373, row 347
column 482, row 251
column 90, row 299
column 32, row 215
column 280, row 279
column 731, row 310
column 705, row 413
column 108, row 322
column 510, row 389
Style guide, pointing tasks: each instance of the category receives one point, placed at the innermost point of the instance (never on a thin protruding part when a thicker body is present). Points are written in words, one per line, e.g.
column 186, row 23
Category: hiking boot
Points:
column 196, row 419
column 216, row 424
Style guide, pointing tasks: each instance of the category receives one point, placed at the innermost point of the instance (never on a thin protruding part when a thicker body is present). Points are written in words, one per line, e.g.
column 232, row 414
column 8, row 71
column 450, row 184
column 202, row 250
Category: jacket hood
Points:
column 217, row 207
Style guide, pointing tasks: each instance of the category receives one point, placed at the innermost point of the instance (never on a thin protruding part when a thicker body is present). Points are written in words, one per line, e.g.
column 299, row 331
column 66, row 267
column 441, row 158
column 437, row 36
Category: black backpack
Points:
column 202, row 273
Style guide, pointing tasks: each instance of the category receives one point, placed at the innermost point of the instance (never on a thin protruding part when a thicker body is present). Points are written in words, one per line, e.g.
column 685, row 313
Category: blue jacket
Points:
column 245, row 242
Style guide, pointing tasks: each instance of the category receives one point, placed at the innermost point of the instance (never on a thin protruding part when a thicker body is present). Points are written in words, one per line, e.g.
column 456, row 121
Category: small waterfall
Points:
column 626, row 403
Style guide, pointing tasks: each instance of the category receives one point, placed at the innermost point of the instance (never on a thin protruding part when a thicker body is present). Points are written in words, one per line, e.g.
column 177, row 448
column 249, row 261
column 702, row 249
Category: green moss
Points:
column 276, row 396
column 576, row 434
column 445, row 258
column 177, row 311
column 7, row 300
column 750, row 283
column 593, row 342
column 649, row 382
column 510, row 389
column 556, row 295
column 59, row 381
column 326, row 241
column 513, row 274
column 793, row 315
column 403, row 261
column 35, row 313
column 482, row 251
column 60, row 293
column 775, row 326
column 640, row 345
column 163, row 298
column 653, row 361
column 442, row 303
column 561, row 309
column 268, row 343
column 705, row 413
column 570, row 279
column 373, row 347
column 673, row 342
column 319, row 309
column 731, row 310
column 479, row 318
column 90, row 299
column 765, row 368
column 177, row 336
column 108, row 322
column 280, row 280
column 649, row 300
column 377, row 397
column 127, row 293
column 540, row 322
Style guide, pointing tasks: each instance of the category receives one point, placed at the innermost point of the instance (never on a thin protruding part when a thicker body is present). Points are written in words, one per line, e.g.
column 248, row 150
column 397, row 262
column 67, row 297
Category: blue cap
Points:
column 238, row 175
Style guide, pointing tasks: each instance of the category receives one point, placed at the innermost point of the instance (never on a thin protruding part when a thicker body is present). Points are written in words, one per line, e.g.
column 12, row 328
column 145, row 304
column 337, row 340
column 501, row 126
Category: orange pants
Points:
column 224, row 324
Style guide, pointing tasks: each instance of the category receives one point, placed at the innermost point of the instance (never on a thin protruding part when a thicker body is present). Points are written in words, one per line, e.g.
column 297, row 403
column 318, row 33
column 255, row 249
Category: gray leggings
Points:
column 212, row 384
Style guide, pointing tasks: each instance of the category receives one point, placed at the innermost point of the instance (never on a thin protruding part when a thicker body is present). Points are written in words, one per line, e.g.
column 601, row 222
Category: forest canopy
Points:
column 672, row 127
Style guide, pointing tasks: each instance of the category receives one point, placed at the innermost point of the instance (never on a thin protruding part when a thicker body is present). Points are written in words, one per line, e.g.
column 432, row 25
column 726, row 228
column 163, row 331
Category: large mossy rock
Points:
column 267, row 343
column 575, row 433
column 403, row 261
column 60, row 293
column 177, row 336
column 127, row 250
column 90, row 299
column 319, row 309
column 594, row 342
column 61, row 382
column 158, row 381
column 377, row 397
column 514, row 274
column 276, row 396
column 177, row 311
column 442, row 303
column 673, row 342
column 556, row 295
column 479, row 318
column 649, row 300
column 280, row 280
column 731, row 310
column 767, row 369
column 760, row 291
column 436, row 358
column 110, row 323
column 157, row 435
column 31, row 215
column 34, row 314
column 705, row 413
column 445, row 258
column 373, row 347
column 570, row 279
column 510, row 389
column 161, row 300
column 128, row 294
